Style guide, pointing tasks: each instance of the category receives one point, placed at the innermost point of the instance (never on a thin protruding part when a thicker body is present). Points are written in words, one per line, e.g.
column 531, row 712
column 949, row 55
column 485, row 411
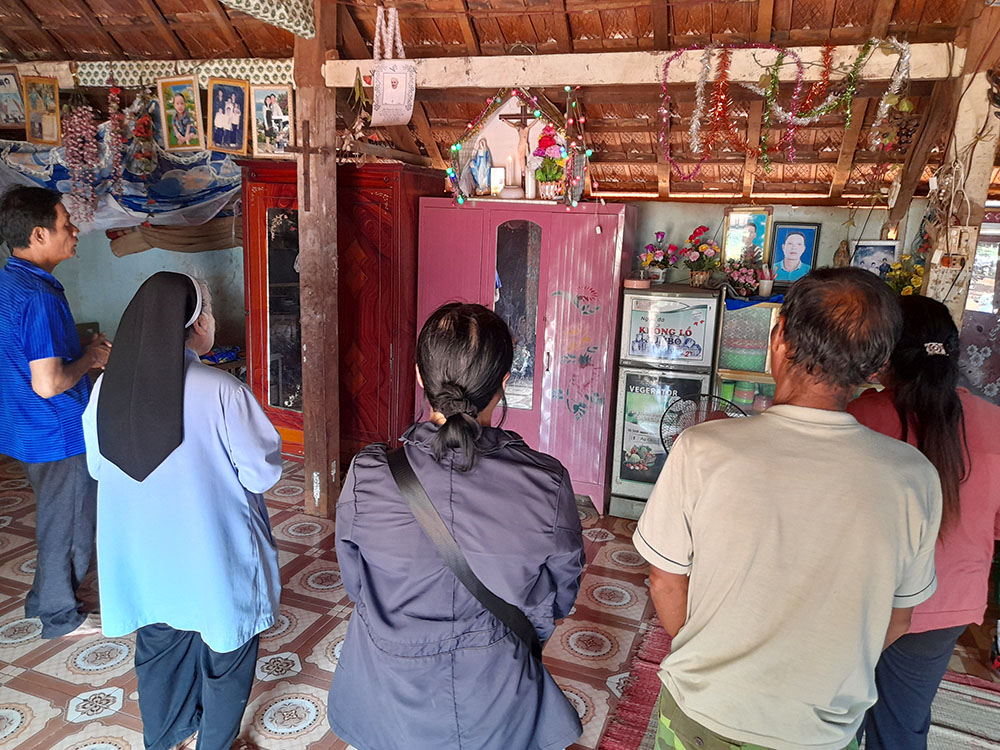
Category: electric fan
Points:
column 687, row 411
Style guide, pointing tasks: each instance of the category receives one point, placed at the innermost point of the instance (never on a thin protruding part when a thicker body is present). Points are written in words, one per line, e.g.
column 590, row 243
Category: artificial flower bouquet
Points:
column 701, row 253
column 906, row 276
column 658, row 256
column 742, row 272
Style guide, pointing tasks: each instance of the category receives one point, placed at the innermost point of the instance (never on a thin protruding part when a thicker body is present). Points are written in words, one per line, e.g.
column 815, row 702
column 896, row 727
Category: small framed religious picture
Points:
column 228, row 115
column 11, row 103
column 746, row 229
column 41, row 103
column 180, row 114
column 273, row 121
column 793, row 250
column 876, row 256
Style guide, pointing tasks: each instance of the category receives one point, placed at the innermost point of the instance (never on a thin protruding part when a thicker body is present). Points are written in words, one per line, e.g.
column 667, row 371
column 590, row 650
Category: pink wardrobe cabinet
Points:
column 555, row 276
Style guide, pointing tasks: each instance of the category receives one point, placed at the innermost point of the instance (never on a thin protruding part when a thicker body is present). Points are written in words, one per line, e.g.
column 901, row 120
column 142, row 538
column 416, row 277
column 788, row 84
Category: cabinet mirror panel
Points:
column 284, row 338
column 519, row 250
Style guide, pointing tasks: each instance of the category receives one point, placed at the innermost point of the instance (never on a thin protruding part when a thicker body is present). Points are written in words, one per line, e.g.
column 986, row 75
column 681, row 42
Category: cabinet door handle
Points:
column 548, row 361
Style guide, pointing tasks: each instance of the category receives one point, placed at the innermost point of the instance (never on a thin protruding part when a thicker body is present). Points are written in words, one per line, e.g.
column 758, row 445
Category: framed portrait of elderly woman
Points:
column 747, row 228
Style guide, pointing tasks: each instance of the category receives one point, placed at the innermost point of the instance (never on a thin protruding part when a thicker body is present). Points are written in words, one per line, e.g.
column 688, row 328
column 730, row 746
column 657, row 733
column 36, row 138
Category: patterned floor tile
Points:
column 20, row 569
column 303, row 529
column 326, row 653
column 93, row 660
column 19, row 635
column 319, row 580
column 292, row 623
column 103, row 734
column 592, row 705
column 80, row 694
column 617, row 597
column 590, row 644
column 620, row 556
column 290, row 716
column 10, row 542
column 22, row 716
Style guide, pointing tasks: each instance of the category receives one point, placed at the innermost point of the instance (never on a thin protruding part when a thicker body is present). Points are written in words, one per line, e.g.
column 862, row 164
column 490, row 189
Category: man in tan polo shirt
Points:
column 787, row 550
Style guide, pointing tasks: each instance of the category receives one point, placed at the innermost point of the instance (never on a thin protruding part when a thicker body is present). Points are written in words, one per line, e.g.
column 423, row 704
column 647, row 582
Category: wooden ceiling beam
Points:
column 163, row 29
column 560, row 26
column 661, row 25
column 35, row 24
column 426, row 135
column 927, row 62
column 649, row 94
column 233, row 39
column 842, row 173
column 882, row 18
column 90, row 21
column 848, row 146
column 352, row 43
column 468, row 33
column 935, row 126
column 11, row 48
column 762, row 34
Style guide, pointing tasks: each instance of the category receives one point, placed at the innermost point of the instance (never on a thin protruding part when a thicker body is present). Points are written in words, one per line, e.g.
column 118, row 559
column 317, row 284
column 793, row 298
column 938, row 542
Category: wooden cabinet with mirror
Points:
column 377, row 256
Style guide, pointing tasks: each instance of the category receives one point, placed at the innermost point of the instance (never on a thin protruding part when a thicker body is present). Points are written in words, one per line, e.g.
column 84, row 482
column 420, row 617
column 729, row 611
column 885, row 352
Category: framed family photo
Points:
column 11, row 104
column 41, row 102
column 876, row 256
column 273, row 121
column 793, row 250
column 745, row 229
column 180, row 114
column 228, row 115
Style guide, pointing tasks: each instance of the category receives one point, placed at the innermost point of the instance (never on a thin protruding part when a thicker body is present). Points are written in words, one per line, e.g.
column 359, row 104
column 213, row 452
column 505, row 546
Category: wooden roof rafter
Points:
column 229, row 32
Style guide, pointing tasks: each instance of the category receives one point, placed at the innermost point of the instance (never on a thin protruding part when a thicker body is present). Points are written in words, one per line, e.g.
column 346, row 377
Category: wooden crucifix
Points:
column 307, row 151
column 522, row 122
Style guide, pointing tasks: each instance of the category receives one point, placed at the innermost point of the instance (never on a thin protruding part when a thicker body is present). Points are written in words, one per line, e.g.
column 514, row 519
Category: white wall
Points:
column 679, row 219
column 100, row 285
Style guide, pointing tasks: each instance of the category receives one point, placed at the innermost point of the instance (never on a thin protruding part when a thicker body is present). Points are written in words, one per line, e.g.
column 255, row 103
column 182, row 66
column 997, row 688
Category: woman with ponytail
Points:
column 424, row 664
column 957, row 432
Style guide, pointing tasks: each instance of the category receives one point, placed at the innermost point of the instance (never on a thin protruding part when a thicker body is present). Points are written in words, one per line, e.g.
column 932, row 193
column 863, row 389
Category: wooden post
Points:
column 974, row 141
column 315, row 113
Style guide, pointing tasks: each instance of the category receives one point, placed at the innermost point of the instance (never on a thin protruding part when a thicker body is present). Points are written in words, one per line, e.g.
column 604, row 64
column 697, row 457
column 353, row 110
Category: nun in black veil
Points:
column 182, row 453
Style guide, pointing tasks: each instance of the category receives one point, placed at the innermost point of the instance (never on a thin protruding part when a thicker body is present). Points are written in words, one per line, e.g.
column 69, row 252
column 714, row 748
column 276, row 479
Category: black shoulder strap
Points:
column 428, row 517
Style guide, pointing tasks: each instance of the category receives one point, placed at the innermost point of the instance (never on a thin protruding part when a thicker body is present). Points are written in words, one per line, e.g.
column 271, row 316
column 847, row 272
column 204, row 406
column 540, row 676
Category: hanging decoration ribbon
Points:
column 799, row 111
column 394, row 81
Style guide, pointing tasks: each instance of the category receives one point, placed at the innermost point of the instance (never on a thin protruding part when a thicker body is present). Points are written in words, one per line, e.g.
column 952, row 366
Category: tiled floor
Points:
column 80, row 693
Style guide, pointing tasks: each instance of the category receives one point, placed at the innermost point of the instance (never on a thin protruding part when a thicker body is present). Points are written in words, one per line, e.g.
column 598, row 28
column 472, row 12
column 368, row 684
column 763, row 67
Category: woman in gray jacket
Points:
column 424, row 664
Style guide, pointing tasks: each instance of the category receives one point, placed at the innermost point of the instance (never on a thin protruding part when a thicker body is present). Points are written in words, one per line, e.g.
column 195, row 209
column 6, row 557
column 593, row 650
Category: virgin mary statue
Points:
column 480, row 166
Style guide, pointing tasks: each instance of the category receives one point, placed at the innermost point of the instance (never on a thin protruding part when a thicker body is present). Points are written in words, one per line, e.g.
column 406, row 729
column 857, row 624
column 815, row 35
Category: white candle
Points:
column 510, row 170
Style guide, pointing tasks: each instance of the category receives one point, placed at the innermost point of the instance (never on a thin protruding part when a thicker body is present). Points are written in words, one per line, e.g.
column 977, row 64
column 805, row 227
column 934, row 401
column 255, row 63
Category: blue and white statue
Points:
column 480, row 166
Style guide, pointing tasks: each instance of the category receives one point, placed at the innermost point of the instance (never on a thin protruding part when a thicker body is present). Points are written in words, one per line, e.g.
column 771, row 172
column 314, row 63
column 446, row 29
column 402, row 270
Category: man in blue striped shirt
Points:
column 44, row 389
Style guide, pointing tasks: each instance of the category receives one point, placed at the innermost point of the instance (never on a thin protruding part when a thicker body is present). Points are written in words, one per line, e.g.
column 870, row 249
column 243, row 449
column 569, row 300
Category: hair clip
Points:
column 933, row 348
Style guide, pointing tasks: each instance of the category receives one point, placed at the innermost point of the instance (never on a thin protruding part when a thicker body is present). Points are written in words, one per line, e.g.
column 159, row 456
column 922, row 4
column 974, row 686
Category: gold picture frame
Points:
column 736, row 231
column 271, row 136
column 182, row 130
column 42, row 113
column 228, row 115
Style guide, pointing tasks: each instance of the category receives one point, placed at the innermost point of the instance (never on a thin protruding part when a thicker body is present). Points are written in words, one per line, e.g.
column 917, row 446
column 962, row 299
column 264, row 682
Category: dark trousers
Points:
column 907, row 678
column 186, row 687
column 66, row 518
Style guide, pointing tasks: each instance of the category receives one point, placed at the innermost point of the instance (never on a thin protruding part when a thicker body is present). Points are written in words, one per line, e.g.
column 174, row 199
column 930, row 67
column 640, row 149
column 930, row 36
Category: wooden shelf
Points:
column 746, row 375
